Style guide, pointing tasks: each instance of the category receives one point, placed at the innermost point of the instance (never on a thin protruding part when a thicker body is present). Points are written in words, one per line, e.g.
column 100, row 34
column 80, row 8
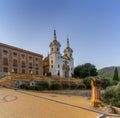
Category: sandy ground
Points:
column 14, row 104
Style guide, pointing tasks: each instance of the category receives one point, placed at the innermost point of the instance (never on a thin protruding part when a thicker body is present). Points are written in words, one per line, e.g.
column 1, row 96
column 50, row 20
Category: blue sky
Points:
column 93, row 27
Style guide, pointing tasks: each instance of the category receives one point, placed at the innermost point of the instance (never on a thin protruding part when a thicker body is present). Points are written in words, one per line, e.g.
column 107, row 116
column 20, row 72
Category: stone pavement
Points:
column 26, row 104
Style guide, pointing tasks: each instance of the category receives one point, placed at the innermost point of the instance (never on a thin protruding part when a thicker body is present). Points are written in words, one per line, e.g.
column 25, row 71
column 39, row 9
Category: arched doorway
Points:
column 65, row 69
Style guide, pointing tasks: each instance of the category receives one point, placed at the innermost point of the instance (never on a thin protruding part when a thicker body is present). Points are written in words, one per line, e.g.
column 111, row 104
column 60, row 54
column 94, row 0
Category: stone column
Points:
column 95, row 84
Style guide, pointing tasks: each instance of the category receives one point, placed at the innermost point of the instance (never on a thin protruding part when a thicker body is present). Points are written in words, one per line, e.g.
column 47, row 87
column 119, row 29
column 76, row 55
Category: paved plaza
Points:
column 27, row 104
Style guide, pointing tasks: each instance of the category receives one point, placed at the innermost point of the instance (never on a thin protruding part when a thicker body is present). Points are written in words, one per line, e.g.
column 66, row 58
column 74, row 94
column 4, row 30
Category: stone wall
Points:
column 28, row 78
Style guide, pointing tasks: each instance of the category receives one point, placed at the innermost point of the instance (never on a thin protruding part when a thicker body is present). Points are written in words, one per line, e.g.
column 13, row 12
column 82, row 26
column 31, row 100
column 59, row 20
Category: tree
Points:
column 85, row 70
column 115, row 77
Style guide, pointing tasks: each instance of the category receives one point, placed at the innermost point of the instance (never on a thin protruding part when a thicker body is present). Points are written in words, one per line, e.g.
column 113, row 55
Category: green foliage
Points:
column 44, row 84
column 38, row 88
column 65, row 86
column 105, row 83
column 115, row 77
column 87, row 81
column 85, row 70
column 112, row 95
column 55, row 86
column 108, row 71
column 49, row 74
column 23, row 86
column 31, row 87
column 113, row 82
column 27, row 87
column 73, row 86
column 81, row 86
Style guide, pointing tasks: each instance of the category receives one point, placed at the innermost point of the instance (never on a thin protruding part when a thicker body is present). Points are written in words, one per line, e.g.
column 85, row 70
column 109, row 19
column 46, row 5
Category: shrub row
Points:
column 43, row 85
column 27, row 87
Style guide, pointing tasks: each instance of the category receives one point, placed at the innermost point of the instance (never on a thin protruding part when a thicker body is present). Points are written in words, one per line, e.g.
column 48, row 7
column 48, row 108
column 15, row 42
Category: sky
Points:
column 92, row 26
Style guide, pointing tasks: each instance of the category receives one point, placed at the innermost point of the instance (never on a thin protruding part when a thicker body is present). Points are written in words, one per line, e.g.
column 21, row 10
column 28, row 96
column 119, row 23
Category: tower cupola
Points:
column 68, row 51
column 55, row 45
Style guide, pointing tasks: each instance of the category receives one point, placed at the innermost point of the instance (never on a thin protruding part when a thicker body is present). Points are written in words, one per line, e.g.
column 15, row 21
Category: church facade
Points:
column 57, row 64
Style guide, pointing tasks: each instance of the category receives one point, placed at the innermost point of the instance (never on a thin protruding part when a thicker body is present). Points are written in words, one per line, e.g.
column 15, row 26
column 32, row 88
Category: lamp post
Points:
column 31, row 73
column 12, row 72
column 8, row 75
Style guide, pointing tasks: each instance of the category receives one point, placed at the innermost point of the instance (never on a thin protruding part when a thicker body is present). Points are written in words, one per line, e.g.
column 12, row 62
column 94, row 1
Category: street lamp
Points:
column 31, row 73
column 8, row 75
column 12, row 72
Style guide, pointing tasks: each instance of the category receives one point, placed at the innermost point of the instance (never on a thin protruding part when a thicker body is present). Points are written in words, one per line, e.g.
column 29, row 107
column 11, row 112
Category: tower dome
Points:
column 55, row 45
column 68, row 51
column 55, row 42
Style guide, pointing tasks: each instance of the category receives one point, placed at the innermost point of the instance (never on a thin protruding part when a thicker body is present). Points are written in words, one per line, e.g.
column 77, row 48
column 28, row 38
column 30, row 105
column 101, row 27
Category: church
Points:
column 55, row 63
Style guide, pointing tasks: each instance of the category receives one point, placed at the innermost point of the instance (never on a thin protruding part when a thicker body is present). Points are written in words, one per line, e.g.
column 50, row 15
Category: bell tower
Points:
column 54, row 55
column 68, row 51
column 55, row 45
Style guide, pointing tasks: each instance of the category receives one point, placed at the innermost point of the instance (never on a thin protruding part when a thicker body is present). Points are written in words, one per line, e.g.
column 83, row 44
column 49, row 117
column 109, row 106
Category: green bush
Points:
column 81, row 86
column 38, row 88
column 55, row 86
column 44, row 84
column 112, row 95
column 65, row 86
column 31, row 87
column 87, row 81
column 105, row 83
column 23, row 86
column 113, row 82
column 73, row 86
column 49, row 74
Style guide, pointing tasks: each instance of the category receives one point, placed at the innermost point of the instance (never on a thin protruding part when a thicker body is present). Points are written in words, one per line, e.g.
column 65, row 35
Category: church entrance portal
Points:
column 65, row 69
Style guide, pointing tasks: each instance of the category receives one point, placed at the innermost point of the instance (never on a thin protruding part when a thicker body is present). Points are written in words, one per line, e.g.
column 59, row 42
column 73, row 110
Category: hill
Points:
column 108, row 70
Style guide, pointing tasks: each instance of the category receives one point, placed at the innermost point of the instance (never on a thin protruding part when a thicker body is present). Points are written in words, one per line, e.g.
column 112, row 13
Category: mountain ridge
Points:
column 108, row 70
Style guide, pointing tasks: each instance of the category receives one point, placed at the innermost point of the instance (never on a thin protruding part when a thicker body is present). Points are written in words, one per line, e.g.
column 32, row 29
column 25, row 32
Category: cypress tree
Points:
column 115, row 77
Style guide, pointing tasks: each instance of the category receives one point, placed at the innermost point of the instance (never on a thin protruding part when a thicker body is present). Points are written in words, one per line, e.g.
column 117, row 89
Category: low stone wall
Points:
column 26, row 79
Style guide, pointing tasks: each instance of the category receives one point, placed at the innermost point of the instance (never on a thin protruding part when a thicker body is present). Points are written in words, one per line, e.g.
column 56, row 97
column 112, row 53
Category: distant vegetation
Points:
column 108, row 71
column 115, row 76
column 112, row 95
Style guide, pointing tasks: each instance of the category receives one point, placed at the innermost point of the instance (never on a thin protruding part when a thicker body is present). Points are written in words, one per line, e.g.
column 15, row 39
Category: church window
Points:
column 58, row 73
column 51, row 66
column 58, row 66
column 57, row 49
column 52, row 49
column 52, row 61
